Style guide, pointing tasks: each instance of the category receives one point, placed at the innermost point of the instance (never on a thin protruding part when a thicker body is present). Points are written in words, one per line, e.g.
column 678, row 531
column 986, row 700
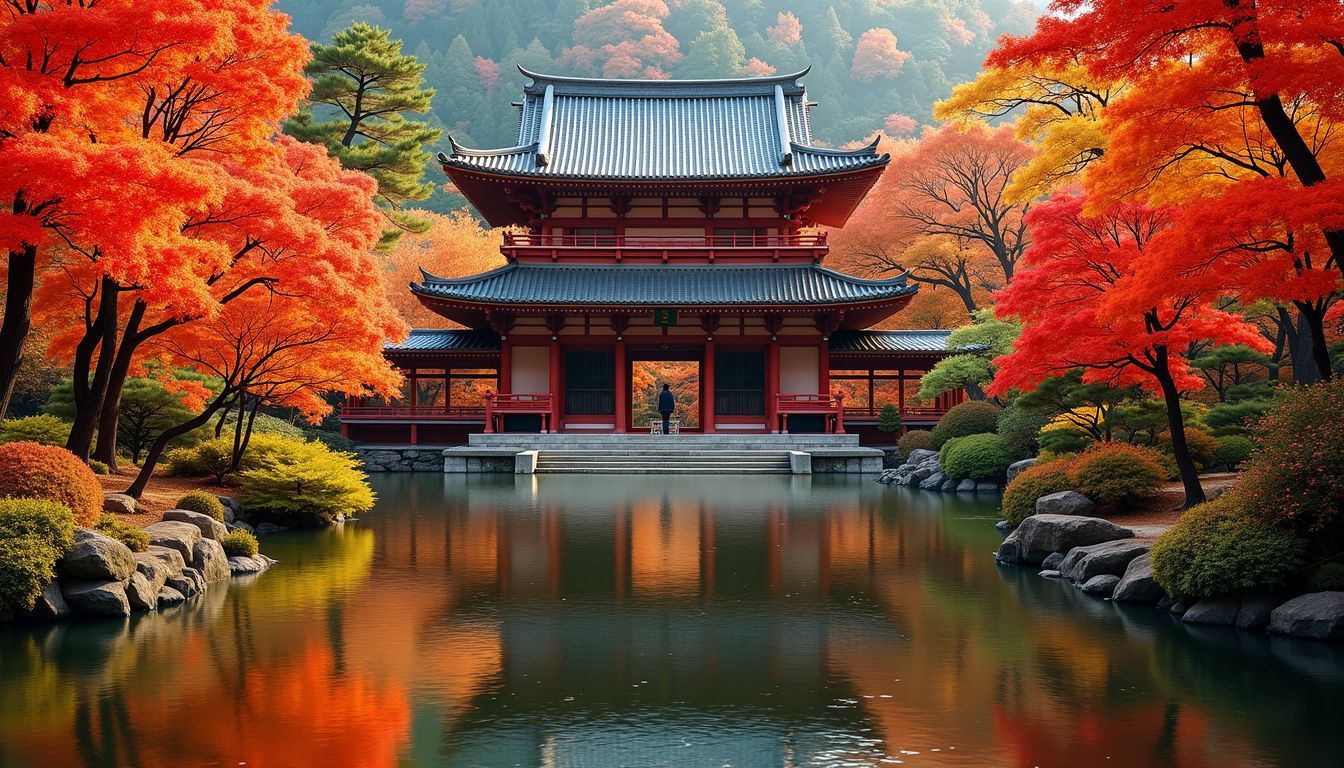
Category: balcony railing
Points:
column 909, row 412
column 411, row 413
column 832, row 406
column 665, row 247
column 498, row 406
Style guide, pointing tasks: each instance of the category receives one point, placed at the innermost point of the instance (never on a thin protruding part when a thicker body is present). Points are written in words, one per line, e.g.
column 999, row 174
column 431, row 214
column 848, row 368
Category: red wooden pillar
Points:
column 772, row 386
column 824, row 366
column 707, row 389
column 505, row 367
column 622, row 388
column 555, row 385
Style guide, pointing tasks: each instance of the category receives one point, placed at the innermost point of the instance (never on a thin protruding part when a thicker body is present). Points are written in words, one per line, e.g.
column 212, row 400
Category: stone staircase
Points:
column 665, row 461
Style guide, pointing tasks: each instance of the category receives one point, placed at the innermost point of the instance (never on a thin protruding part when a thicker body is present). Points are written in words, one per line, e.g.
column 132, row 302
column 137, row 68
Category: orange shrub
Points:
column 1117, row 473
column 34, row 471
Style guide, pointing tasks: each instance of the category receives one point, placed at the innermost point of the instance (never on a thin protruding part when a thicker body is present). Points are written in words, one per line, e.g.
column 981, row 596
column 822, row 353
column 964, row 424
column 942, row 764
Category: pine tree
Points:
column 889, row 419
column 367, row 86
column 716, row 53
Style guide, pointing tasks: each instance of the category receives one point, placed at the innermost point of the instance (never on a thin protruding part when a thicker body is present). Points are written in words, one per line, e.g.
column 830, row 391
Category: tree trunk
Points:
column 1194, row 492
column 18, row 319
column 1313, row 314
column 1303, row 345
column 110, row 415
column 165, row 437
column 89, row 395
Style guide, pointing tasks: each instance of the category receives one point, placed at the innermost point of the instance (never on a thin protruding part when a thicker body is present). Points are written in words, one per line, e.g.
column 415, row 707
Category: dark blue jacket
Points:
column 666, row 402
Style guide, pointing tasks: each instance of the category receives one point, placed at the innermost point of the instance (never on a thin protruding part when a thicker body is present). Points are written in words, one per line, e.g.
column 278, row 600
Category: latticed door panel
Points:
column 739, row 382
column 590, row 382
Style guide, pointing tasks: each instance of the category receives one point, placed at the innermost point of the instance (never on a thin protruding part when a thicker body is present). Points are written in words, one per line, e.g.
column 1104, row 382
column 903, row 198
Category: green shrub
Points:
column 26, row 564
column 1203, row 447
column 1019, row 498
column 973, row 417
column 1117, row 473
column 34, row 471
column 889, row 419
column 333, row 440
column 240, row 543
column 204, row 502
column 50, row 522
column 1327, row 578
column 1294, row 477
column 98, row 467
column 1233, row 450
column 307, row 481
column 1216, row 549
column 914, row 440
column 978, row 457
column 1236, row 418
column 43, row 429
column 134, row 537
column 1064, row 440
column 1019, row 428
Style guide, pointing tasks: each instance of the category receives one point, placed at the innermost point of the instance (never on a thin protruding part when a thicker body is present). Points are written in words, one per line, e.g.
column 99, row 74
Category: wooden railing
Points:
column 664, row 247
column 908, row 412
column 832, row 406
column 503, row 405
column 411, row 412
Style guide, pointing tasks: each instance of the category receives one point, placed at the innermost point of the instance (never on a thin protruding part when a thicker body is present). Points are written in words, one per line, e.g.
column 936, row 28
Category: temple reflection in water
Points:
column 579, row 621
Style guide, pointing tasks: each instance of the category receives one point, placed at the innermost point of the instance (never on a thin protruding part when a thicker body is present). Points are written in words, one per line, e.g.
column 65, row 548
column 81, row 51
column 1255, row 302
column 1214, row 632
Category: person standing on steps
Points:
column 666, row 405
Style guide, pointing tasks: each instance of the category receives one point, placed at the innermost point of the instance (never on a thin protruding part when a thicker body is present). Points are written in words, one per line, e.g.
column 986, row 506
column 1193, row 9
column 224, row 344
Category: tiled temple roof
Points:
column 448, row 340
column 697, row 285
column 746, row 128
column 889, row 341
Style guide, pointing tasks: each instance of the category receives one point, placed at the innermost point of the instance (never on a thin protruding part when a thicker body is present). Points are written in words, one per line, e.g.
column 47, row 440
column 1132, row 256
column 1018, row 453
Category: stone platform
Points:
column 635, row 454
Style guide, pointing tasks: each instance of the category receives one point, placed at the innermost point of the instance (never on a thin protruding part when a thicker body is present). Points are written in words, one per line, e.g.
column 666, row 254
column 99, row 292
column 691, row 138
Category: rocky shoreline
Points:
column 922, row 470
column 1105, row 560
column 101, row 577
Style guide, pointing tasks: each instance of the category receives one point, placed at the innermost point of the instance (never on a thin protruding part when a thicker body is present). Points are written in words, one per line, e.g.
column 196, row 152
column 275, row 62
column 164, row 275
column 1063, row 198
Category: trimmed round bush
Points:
column 43, row 428
column 914, row 440
column 135, row 538
column 1019, row 428
column 1064, row 440
column 306, row 482
column 1327, row 578
column 978, row 457
column 33, row 471
column 240, row 543
column 1117, row 473
column 1294, row 477
column 204, row 502
column 973, row 417
column 26, row 564
column 98, row 467
column 1217, row 549
column 1233, row 450
column 50, row 522
column 1019, row 498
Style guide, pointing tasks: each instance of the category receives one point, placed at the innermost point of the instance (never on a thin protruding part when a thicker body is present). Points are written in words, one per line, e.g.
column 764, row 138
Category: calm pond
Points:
column 659, row 621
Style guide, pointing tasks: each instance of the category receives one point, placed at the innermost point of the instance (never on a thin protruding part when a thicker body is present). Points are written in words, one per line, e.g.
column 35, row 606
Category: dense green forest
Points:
column 876, row 64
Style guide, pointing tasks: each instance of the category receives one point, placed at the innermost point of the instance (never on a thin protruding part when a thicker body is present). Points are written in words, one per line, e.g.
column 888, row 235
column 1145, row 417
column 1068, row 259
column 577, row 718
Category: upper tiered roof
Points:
column 745, row 128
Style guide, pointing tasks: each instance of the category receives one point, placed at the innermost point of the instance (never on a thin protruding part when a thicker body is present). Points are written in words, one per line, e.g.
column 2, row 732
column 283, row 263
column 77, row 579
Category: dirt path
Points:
column 1159, row 512
column 162, row 493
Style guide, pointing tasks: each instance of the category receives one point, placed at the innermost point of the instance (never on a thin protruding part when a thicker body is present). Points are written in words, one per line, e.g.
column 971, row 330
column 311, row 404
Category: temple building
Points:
column 659, row 221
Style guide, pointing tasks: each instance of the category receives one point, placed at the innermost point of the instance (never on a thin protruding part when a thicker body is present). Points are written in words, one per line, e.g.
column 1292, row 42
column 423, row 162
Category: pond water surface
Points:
column 659, row 621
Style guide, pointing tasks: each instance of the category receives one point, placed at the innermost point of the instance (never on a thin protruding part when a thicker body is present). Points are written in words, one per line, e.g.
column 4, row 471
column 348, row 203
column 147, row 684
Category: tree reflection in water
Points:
column 593, row 621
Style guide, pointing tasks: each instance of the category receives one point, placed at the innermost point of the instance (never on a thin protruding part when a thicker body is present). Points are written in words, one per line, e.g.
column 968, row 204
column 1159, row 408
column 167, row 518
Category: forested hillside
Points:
column 876, row 64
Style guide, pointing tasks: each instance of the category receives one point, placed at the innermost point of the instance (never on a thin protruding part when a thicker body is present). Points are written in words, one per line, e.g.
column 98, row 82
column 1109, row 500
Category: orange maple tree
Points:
column 455, row 245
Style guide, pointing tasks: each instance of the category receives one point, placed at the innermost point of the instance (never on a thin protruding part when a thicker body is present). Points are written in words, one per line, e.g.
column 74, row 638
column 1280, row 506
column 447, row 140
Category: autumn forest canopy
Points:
column 1120, row 204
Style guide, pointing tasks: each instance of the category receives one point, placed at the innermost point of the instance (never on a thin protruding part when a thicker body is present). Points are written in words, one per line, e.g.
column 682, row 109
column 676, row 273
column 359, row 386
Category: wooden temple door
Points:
column 739, row 382
column 590, row 383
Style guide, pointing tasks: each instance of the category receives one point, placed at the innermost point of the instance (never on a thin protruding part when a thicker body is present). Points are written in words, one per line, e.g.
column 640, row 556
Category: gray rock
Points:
column 239, row 564
column 1165, row 603
column 1049, row 573
column 210, row 527
column 922, row 473
column 142, row 595
column 174, row 534
column 155, row 570
column 118, row 503
column 1065, row 503
column 268, row 560
column 933, row 482
column 209, row 558
column 966, row 486
column 231, row 504
column 169, row 557
column 1182, row 605
column 949, row 486
column 1053, row 561
column 169, row 597
column 268, row 527
column 96, row 557
column 1219, row 611
column 1102, row 585
column 1041, row 535
column 190, row 582
column 239, row 525
column 1004, row 525
column 50, row 603
column 1108, row 557
column 1137, row 585
column 986, row 486
column 919, row 456
column 97, row 598
column 1318, row 615
column 1018, row 467
column 1256, row 610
